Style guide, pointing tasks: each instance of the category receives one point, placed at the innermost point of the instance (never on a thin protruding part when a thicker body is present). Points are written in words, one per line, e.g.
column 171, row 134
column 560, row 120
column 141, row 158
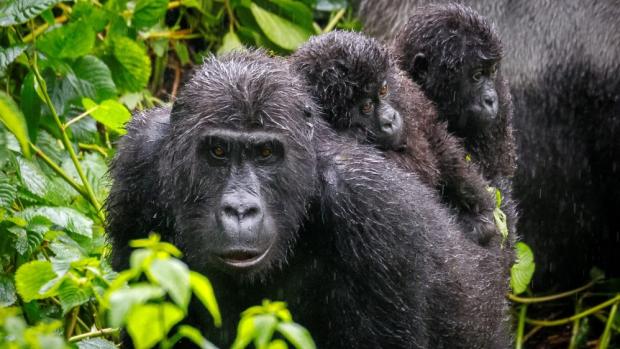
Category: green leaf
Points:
column 148, row 324
column 245, row 333
column 181, row 49
column 330, row 5
column 110, row 113
column 296, row 11
column 33, row 179
column 14, row 121
column 202, row 288
column 68, row 41
column 72, row 294
column 7, row 291
column 264, row 326
column 63, row 217
column 8, row 192
column 31, row 277
column 230, row 42
column 30, row 104
column 131, row 66
column 123, row 300
column 522, row 271
column 195, row 336
column 173, row 276
column 96, row 343
column 296, row 334
column 8, row 55
column 92, row 15
column 19, row 11
column 279, row 30
column 148, row 12
column 277, row 344
column 92, row 79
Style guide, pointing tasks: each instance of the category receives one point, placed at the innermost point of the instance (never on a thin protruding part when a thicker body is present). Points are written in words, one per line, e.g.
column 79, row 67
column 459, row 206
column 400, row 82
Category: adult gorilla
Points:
column 270, row 203
column 563, row 64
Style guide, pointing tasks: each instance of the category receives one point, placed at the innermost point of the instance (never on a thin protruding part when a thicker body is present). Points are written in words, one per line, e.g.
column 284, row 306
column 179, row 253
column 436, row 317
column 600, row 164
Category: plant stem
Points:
column 28, row 38
column 567, row 320
column 72, row 322
column 94, row 147
column 231, row 16
column 92, row 334
column 334, row 21
column 521, row 326
column 58, row 170
column 530, row 300
column 604, row 341
column 90, row 195
column 79, row 117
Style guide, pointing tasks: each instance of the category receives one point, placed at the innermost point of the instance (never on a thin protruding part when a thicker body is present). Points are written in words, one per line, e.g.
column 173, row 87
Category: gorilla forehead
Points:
column 244, row 90
column 354, row 59
column 454, row 32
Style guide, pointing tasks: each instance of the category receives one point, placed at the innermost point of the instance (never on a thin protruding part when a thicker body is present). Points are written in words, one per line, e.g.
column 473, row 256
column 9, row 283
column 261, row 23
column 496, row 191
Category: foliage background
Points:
column 70, row 73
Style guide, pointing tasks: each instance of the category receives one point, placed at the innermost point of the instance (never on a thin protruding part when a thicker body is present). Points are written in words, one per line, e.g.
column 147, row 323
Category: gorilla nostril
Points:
column 230, row 211
column 251, row 211
column 489, row 101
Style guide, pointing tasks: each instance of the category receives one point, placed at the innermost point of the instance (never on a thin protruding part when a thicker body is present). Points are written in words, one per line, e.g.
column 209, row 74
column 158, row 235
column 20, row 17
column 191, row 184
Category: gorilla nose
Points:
column 387, row 121
column 241, row 211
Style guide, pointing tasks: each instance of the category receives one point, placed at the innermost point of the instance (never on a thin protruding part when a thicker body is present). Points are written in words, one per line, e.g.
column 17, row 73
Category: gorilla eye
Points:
column 265, row 152
column 218, row 152
column 477, row 76
column 367, row 107
column 383, row 91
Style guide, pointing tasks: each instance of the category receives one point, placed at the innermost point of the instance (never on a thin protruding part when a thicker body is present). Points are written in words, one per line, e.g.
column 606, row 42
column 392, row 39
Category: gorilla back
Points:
column 270, row 203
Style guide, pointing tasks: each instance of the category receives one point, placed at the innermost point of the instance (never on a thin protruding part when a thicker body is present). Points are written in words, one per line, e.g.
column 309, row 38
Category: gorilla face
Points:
column 375, row 120
column 240, row 165
column 478, row 93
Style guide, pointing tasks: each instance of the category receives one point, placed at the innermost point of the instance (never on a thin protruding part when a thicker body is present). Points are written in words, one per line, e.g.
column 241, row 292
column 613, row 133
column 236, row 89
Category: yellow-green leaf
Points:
column 147, row 324
column 13, row 119
column 30, row 279
column 110, row 113
column 522, row 271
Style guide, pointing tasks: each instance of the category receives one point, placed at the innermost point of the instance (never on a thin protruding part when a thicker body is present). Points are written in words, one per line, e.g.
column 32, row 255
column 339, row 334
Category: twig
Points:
column 177, row 80
column 567, row 320
column 530, row 300
column 58, row 170
column 79, row 117
column 72, row 322
column 92, row 334
column 521, row 326
column 334, row 21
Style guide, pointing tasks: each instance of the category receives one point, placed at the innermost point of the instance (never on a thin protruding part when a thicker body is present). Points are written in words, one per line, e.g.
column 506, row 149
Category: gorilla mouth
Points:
column 243, row 258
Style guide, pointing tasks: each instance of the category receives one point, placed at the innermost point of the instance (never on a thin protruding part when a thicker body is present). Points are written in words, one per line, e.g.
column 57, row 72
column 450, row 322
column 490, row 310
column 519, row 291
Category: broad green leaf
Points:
column 31, row 105
column 64, row 218
column 296, row 11
column 110, row 113
column 230, row 42
column 19, row 11
column 148, row 12
column 147, row 324
column 279, row 30
column 181, row 49
column 296, row 334
column 72, row 294
column 195, row 336
column 264, row 326
column 8, row 55
column 522, row 271
column 173, row 276
column 123, row 300
column 33, row 179
column 68, row 41
column 245, row 333
column 131, row 66
column 96, row 343
column 92, row 79
column 8, row 192
column 7, row 291
column 92, row 15
column 13, row 119
column 30, row 279
column 202, row 288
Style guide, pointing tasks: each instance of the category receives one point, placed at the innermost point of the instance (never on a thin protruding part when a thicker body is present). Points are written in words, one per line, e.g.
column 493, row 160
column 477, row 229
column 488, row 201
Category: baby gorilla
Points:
column 364, row 95
column 454, row 54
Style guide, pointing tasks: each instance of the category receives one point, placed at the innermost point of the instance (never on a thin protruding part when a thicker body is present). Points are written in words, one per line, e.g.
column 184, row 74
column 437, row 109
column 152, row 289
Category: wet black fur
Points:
column 369, row 257
column 339, row 65
column 567, row 124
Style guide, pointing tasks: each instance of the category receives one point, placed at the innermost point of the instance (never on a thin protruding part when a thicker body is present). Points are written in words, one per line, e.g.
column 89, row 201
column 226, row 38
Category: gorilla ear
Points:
column 420, row 67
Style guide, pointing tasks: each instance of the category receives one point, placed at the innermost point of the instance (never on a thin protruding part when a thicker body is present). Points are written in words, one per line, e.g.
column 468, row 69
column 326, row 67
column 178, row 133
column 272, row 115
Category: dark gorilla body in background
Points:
column 364, row 254
column 563, row 63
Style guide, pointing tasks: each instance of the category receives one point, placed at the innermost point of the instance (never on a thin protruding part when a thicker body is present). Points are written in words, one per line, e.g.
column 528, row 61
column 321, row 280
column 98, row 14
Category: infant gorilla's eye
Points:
column 383, row 91
column 265, row 151
column 367, row 107
column 477, row 75
column 218, row 152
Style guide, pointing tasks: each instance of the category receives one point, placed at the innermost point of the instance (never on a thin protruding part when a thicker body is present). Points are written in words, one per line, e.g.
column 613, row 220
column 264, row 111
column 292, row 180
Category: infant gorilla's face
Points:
column 373, row 119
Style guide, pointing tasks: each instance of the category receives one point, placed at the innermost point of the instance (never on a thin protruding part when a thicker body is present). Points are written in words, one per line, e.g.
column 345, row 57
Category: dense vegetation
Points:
column 70, row 73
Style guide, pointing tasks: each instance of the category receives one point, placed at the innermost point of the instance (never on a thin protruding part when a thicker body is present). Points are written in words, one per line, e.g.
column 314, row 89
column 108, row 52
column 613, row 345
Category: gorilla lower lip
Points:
column 243, row 258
